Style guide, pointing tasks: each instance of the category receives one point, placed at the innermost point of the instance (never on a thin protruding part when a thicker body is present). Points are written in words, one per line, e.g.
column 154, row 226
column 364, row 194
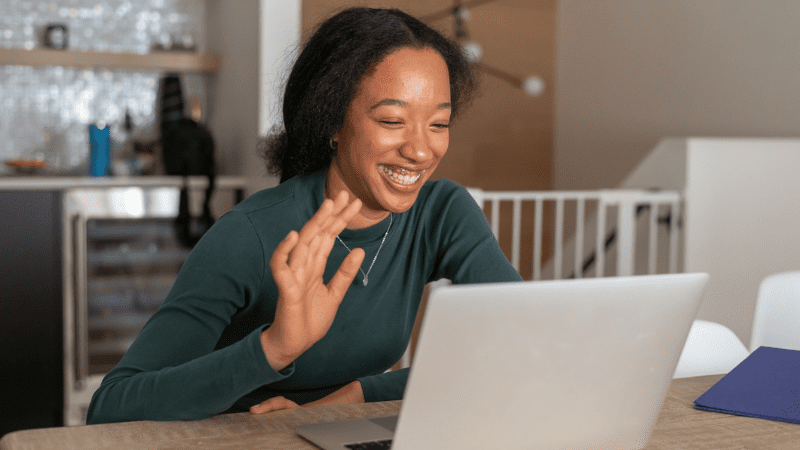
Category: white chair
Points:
column 710, row 349
column 777, row 317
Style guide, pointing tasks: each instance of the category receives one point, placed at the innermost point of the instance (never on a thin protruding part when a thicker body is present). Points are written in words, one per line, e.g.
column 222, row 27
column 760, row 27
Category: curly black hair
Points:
column 327, row 74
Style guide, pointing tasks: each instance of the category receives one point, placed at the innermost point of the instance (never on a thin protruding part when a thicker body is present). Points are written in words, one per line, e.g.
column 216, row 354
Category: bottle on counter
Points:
column 99, row 149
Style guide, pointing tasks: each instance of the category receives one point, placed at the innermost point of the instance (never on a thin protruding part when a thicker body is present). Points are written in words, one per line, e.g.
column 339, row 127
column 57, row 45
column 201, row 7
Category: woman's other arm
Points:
column 172, row 371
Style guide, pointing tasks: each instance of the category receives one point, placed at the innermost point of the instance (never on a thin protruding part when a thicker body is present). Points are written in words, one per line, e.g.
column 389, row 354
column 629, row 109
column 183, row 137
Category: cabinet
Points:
column 84, row 262
column 31, row 295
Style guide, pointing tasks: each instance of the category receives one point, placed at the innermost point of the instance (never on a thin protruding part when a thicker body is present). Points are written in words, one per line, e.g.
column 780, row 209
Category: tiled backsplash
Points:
column 46, row 111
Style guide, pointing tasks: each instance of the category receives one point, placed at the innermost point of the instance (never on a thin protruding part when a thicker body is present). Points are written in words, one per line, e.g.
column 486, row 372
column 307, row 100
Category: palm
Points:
column 306, row 305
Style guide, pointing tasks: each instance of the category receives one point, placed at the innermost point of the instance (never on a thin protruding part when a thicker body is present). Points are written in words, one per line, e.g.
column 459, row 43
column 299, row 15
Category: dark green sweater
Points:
column 200, row 353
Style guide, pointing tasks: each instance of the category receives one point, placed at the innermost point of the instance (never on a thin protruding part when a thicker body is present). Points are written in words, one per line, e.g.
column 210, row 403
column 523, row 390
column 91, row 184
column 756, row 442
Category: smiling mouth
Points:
column 400, row 175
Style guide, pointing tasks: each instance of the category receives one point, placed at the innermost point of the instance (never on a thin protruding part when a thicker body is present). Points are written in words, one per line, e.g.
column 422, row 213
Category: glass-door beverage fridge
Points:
column 121, row 257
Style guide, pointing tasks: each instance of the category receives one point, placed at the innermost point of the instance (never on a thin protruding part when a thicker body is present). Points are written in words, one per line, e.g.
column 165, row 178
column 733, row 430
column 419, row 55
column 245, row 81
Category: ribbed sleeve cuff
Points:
column 271, row 375
column 384, row 387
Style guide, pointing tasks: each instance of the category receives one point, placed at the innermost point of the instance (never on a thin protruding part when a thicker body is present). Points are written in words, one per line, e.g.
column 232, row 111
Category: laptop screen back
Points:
column 549, row 364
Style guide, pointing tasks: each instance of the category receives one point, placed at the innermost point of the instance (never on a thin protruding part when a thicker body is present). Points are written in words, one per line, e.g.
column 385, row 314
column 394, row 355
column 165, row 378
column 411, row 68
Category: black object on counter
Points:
column 187, row 148
column 56, row 36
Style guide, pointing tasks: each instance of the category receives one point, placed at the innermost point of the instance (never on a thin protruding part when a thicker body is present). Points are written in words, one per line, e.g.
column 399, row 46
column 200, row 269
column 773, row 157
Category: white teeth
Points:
column 401, row 175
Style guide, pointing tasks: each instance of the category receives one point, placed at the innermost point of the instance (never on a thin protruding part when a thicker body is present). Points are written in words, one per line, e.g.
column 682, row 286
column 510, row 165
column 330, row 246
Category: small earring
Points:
column 333, row 144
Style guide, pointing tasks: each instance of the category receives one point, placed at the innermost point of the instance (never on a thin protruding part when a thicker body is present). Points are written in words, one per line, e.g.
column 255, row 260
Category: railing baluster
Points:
column 674, row 217
column 653, row 250
column 537, row 240
column 515, row 238
column 626, row 236
column 579, row 211
column 496, row 217
column 559, row 239
column 600, row 250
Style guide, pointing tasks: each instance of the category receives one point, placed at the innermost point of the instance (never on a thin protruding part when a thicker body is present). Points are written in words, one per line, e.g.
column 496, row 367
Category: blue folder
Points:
column 765, row 385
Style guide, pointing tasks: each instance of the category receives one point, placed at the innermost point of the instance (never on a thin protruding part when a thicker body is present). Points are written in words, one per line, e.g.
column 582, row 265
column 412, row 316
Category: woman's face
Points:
column 395, row 131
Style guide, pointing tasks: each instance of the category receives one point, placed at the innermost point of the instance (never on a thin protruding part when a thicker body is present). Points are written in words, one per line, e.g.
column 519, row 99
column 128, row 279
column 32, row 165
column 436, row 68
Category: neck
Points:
column 366, row 216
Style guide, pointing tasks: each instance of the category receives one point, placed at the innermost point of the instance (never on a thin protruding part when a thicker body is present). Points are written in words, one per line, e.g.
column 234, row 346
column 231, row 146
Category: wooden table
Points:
column 679, row 426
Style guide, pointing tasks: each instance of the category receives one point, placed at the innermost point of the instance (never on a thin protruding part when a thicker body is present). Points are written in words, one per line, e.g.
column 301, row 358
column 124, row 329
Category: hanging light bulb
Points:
column 533, row 86
column 473, row 51
column 462, row 13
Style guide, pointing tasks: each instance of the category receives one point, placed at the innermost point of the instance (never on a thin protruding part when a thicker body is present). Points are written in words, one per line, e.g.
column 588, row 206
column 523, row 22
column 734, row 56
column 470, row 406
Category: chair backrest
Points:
column 777, row 317
column 710, row 349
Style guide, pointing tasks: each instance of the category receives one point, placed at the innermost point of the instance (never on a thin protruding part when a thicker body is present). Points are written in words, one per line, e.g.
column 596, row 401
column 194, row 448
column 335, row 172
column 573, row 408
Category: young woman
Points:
column 307, row 293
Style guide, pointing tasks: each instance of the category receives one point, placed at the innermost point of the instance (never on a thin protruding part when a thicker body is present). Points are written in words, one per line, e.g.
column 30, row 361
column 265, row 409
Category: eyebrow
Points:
column 395, row 102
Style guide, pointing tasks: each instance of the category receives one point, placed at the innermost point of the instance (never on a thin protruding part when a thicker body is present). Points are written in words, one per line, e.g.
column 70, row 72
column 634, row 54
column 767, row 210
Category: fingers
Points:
column 273, row 404
column 331, row 218
column 281, row 254
column 343, row 277
column 318, row 235
column 279, row 260
column 303, row 255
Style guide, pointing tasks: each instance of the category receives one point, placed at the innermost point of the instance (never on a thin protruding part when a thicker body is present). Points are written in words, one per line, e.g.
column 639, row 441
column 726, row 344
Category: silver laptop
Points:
column 537, row 365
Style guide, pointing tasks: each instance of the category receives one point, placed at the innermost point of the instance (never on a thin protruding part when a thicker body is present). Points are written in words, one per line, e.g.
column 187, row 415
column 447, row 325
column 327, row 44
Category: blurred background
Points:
column 575, row 95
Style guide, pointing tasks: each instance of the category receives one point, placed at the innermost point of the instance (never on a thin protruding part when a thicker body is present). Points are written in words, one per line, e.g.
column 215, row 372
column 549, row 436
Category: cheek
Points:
column 385, row 142
column 370, row 142
column 381, row 141
column 439, row 144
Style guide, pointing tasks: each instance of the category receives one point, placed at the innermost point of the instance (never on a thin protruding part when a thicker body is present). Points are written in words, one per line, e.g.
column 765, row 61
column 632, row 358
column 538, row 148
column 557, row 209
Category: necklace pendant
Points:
column 365, row 281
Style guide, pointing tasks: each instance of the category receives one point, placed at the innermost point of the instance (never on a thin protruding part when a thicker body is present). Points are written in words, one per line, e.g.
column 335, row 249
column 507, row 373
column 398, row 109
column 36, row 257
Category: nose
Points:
column 416, row 146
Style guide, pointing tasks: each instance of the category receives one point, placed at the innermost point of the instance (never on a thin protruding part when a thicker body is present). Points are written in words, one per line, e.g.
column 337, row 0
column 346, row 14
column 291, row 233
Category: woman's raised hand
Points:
column 306, row 305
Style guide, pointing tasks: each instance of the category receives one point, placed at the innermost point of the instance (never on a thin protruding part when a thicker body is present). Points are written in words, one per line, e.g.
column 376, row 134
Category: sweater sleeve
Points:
column 467, row 251
column 384, row 387
column 176, row 369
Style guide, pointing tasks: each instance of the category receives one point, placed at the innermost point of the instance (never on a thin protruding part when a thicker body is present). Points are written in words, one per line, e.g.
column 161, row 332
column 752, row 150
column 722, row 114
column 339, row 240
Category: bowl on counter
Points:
column 26, row 166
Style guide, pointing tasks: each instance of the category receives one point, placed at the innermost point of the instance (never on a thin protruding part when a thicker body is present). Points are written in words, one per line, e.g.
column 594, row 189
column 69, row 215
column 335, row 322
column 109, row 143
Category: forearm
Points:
column 349, row 393
column 384, row 387
column 200, row 388
column 278, row 356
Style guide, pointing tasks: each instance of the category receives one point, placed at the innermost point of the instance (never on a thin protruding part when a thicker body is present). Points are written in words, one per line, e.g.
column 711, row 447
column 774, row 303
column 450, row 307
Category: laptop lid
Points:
column 548, row 364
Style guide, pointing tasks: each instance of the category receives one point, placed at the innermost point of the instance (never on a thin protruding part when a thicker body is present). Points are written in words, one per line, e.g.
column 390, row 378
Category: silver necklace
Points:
column 366, row 275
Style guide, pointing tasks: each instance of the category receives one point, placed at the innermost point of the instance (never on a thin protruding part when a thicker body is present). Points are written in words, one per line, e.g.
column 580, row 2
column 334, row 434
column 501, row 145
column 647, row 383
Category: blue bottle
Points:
column 99, row 150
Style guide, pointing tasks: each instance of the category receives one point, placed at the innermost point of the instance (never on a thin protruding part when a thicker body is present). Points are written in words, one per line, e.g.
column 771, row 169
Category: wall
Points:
column 280, row 37
column 233, row 110
column 46, row 111
column 741, row 221
column 257, row 39
column 630, row 72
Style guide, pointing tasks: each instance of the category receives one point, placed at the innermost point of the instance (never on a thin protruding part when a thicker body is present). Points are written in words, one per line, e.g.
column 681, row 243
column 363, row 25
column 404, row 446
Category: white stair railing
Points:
column 628, row 204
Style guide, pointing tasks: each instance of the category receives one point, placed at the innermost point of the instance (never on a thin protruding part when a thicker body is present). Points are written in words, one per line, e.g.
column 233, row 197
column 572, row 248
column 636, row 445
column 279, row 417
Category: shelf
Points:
column 157, row 61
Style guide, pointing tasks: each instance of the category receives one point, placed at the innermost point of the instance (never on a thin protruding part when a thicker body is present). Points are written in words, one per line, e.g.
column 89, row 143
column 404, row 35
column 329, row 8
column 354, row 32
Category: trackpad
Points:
column 386, row 422
column 335, row 435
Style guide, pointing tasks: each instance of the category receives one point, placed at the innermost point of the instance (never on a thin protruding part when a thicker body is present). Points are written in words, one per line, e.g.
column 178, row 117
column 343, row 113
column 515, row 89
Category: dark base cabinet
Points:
column 31, row 307
column 82, row 268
